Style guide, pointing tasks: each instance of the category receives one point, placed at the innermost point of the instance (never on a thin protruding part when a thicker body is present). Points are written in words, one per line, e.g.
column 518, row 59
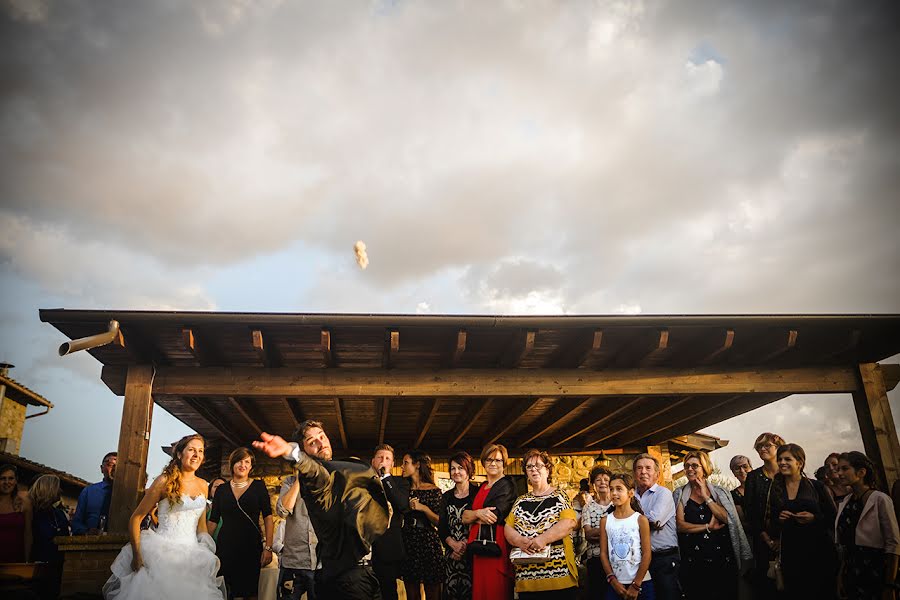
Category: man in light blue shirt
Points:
column 659, row 508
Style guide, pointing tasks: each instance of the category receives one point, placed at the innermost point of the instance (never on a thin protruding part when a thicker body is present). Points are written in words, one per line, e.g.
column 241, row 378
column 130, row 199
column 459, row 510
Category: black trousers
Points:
column 387, row 575
column 664, row 573
column 358, row 583
column 596, row 578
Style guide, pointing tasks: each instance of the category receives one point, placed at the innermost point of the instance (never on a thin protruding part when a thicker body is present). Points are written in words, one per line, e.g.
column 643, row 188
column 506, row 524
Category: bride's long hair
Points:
column 173, row 469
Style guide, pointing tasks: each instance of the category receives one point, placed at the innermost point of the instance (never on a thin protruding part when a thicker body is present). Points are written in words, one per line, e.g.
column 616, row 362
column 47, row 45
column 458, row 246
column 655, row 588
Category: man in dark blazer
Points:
column 388, row 553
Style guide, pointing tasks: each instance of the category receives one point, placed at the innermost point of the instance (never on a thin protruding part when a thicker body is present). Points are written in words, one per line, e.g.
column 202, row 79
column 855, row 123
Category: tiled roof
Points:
column 23, row 463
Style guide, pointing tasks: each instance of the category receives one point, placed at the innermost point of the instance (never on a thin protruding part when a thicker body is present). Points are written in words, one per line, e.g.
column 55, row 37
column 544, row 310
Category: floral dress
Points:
column 425, row 558
column 457, row 573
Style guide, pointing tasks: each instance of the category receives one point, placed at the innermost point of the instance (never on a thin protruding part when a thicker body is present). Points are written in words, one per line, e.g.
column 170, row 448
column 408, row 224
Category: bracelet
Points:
column 610, row 577
column 636, row 585
column 708, row 500
column 268, row 548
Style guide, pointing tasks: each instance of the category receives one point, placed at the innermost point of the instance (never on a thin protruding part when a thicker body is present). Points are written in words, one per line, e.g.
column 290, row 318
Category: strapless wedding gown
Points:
column 178, row 564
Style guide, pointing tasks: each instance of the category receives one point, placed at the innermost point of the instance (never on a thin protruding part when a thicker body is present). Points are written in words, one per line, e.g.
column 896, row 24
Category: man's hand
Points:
column 273, row 446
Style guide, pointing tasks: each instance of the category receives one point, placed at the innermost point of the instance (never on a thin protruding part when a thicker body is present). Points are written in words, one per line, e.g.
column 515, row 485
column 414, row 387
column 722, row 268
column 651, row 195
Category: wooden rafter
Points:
column 578, row 350
column 662, row 411
column 600, row 415
column 139, row 347
column 385, row 407
column 391, row 348
column 790, row 344
column 529, row 383
column 459, row 348
column 727, row 344
column 506, row 421
column 246, row 416
column 431, row 408
column 730, row 407
column 658, row 351
column 296, row 410
column 290, row 410
column 325, row 348
column 266, row 352
column 339, row 415
column 202, row 352
column 551, row 418
column 213, row 420
column 518, row 350
column 468, row 419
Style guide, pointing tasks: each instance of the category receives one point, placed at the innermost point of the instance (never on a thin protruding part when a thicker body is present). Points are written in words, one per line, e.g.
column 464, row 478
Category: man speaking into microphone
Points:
column 388, row 553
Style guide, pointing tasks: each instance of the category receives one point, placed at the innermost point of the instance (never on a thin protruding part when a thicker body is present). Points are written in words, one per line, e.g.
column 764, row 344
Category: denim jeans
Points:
column 293, row 582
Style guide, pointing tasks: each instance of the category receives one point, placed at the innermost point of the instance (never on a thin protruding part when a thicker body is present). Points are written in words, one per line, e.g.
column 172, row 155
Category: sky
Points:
column 508, row 157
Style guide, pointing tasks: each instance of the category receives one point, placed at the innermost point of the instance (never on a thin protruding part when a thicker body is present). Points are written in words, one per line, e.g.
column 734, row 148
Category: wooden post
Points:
column 134, row 441
column 876, row 424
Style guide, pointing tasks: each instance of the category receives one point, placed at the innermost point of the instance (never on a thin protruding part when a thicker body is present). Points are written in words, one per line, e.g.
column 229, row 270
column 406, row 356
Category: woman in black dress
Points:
column 239, row 542
column 424, row 563
column 756, row 488
column 800, row 513
column 453, row 532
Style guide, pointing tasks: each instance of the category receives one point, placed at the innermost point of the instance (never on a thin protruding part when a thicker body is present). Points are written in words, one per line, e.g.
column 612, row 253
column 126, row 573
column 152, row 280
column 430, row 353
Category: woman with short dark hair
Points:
column 866, row 530
column 591, row 519
column 239, row 543
column 453, row 532
column 756, row 489
column 15, row 518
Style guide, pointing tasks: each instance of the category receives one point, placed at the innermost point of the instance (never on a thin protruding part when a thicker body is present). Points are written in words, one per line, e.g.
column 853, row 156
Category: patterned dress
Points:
column 458, row 573
column 425, row 558
column 532, row 515
column 708, row 567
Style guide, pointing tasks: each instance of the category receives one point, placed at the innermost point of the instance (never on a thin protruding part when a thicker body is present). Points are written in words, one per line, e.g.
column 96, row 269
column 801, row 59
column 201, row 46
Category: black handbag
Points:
column 483, row 547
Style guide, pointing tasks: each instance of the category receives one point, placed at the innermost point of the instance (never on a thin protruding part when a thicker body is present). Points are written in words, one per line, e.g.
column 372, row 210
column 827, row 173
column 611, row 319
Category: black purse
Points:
column 483, row 547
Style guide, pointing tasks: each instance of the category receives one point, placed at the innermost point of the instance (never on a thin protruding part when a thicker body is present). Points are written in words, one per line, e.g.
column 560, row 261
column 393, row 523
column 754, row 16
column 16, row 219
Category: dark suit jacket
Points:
column 501, row 497
column 389, row 547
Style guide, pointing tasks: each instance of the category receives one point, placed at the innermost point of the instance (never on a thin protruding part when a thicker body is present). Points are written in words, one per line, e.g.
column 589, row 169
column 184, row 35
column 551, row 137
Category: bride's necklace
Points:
column 241, row 485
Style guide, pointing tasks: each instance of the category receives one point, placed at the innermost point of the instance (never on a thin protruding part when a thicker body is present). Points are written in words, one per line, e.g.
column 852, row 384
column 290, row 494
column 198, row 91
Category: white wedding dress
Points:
column 178, row 563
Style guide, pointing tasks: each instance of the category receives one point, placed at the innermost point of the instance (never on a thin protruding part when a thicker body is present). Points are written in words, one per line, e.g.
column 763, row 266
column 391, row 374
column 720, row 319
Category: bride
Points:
column 178, row 560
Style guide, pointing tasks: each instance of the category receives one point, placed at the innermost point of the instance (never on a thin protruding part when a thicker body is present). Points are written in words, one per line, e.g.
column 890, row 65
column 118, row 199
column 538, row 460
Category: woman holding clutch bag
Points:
column 538, row 526
column 492, row 576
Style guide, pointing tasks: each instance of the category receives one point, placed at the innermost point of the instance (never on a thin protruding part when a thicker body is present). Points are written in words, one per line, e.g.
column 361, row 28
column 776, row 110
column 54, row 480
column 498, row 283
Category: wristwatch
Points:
column 708, row 500
column 269, row 549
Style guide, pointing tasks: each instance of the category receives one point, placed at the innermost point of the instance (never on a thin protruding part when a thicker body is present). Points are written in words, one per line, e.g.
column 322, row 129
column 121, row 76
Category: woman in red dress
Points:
column 15, row 518
column 492, row 577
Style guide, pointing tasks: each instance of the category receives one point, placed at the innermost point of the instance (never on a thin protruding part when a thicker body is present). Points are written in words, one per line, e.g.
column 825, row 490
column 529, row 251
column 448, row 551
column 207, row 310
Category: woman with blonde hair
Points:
column 714, row 549
column 177, row 560
column 492, row 575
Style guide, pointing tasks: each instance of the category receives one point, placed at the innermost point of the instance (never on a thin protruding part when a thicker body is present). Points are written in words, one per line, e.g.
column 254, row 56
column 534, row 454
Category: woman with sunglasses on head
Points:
column 756, row 487
column 492, row 575
column 713, row 546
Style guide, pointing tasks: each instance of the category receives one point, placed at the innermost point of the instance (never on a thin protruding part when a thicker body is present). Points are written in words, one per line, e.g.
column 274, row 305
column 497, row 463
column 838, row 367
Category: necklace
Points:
column 241, row 485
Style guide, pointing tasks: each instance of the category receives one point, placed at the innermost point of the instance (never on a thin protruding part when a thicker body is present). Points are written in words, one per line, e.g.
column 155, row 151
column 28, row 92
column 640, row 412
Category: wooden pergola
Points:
column 572, row 384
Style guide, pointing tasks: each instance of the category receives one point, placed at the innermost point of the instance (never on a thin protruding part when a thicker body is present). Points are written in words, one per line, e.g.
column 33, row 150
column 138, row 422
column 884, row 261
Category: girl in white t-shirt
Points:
column 625, row 544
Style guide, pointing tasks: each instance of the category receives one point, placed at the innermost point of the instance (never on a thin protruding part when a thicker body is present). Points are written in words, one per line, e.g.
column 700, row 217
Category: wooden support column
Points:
column 134, row 441
column 876, row 424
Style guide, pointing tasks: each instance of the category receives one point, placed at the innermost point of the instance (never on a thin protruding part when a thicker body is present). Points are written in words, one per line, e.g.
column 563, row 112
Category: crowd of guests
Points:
column 778, row 534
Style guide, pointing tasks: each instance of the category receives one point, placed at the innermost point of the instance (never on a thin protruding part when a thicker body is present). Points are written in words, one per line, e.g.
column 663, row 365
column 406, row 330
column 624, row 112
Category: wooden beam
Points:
column 727, row 344
column 296, row 410
column 202, row 352
column 339, row 415
column 391, row 348
column 266, row 352
column 658, row 351
column 597, row 417
column 789, row 345
column 529, row 383
column 385, row 407
column 719, row 411
column 550, row 419
column 459, row 348
column 290, row 410
column 577, row 351
column 469, row 418
column 852, row 344
column 134, row 442
column 246, row 416
column 661, row 420
column 506, row 421
column 213, row 420
column 519, row 348
column 139, row 347
column 325, row 348
column 431, row 408
column 891, row 375
column 662, row 411
column 876, row 424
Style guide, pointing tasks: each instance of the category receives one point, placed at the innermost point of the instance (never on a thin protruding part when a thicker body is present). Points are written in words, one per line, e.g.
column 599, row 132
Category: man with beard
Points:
column 347, row 508
column 388, row 552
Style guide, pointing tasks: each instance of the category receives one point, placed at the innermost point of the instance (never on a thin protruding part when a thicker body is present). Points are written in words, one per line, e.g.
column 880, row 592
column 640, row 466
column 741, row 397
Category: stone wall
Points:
column 12, row 421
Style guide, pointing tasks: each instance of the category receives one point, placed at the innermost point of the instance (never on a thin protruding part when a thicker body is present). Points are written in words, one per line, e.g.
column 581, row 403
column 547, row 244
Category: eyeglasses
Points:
column 765, row 446
column 691, row 467
column 493, row 461
column 537, row 467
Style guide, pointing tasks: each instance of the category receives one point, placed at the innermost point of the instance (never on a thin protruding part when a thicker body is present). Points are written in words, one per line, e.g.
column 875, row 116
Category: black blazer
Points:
column 389, row 547
column 501, row 496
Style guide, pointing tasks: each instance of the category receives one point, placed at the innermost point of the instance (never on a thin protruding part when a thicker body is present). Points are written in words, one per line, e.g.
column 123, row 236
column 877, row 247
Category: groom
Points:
column 347, row 508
